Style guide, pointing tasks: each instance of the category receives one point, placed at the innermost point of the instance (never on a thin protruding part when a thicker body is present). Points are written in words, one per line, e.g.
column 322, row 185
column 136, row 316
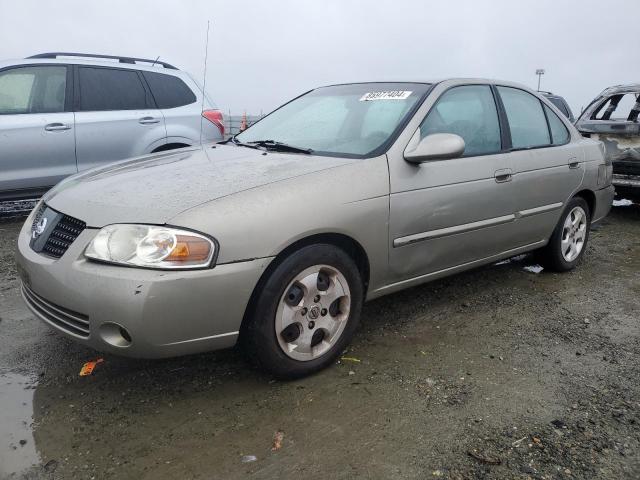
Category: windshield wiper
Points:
column 239, row 143
column 281, row 147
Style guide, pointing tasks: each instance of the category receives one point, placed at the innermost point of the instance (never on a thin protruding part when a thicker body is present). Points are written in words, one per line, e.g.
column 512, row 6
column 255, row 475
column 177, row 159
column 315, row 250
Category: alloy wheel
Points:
column 313, row 312
column 574, row 234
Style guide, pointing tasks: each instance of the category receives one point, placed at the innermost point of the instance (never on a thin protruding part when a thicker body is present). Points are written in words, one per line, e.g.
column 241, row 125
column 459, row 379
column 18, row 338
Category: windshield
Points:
column 352, row 120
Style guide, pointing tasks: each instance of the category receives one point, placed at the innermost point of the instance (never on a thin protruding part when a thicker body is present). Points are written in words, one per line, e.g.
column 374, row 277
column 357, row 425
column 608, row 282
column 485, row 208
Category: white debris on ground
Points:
column 533, row 268
column 622, row 203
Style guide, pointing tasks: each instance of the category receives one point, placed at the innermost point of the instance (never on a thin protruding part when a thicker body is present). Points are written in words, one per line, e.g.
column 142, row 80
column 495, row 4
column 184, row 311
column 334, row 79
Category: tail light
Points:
column 215, row 117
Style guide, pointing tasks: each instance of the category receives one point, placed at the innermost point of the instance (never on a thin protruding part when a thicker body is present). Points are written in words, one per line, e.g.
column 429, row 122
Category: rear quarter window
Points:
column 559, row 133
column 169, row 91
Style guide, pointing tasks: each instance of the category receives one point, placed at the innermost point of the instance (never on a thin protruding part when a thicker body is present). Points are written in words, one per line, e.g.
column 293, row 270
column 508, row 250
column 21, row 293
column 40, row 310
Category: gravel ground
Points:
column 497, row 373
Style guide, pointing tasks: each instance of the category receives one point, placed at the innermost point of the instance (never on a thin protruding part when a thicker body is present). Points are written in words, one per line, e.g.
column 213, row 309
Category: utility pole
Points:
column 539, row 72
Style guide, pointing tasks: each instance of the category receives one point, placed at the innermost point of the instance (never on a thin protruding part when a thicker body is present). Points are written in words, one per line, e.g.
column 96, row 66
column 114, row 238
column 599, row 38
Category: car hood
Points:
column 156, row 188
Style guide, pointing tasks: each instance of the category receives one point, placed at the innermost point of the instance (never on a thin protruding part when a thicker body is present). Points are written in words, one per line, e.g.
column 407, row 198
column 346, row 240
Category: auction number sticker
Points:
column 388, row 95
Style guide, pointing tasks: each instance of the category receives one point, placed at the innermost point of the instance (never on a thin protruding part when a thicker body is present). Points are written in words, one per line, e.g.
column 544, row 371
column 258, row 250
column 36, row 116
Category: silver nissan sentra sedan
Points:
column 277, row 237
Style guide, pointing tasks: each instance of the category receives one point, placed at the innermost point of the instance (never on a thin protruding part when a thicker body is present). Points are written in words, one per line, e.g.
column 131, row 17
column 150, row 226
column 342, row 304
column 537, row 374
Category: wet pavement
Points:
column 496, row 373
column 17, row 448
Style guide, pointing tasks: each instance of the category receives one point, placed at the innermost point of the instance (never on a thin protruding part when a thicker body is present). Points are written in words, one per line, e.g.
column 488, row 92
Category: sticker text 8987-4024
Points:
column 387, row 95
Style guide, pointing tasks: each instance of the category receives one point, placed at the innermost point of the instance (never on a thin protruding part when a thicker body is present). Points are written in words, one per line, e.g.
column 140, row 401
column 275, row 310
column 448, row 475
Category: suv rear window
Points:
column 169, row 91
column 104, row 89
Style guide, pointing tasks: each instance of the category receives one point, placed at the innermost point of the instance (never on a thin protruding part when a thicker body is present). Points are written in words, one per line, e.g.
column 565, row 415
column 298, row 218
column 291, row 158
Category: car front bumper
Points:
column 626, row 180
column 163, row 313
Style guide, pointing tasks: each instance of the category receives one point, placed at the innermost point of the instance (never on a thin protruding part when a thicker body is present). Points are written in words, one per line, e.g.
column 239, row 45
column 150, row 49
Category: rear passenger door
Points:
column 116, row 117
column 547, row 167
column 37, row 146
column 181, row 110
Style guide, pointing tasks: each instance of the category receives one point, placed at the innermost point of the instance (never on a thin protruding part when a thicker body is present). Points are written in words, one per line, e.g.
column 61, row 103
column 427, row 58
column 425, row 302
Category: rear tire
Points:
column 569, row 239
column 305, row 313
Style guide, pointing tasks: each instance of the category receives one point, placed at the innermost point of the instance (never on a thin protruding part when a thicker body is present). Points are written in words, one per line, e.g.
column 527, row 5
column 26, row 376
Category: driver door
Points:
column 448, row 213
column 37, row 144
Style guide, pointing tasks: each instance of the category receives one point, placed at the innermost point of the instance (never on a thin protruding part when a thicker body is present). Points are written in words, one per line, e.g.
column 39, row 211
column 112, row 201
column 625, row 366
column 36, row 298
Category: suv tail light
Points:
column 215, row 117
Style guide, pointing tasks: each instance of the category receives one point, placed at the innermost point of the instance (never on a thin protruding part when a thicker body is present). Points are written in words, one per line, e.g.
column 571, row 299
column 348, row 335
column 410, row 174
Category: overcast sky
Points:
column 262, row 53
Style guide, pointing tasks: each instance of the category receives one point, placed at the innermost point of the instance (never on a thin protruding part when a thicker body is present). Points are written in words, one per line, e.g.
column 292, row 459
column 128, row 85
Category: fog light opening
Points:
column 125, row 334
column 115, row 335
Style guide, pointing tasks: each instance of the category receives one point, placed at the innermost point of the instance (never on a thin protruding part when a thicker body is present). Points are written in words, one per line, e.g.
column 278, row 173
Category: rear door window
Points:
column 470, row 112
column 169, row 91
column 527, row 121
column 33, row 89
column 103, row 89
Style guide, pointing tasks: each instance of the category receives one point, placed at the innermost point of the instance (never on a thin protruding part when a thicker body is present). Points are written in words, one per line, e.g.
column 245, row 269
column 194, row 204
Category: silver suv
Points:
column 61, row 113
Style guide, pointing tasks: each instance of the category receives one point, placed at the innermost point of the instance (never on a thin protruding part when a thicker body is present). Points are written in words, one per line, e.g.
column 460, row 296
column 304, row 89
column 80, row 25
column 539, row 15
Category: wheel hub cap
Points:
column 316, row 305
column 574, row 234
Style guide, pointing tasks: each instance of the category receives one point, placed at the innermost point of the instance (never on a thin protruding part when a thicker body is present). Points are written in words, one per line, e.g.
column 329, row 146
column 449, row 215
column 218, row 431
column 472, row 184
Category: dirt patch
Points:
column 496, row 373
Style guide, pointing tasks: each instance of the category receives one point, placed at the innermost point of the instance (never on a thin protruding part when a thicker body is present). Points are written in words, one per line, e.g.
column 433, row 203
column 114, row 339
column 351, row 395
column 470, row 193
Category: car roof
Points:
column 112, row 63
column 628, row 88
column 449, row 80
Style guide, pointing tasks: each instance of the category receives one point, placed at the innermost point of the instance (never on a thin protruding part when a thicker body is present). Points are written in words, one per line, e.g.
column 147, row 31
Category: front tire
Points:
column 305, row 313
column 569, row 239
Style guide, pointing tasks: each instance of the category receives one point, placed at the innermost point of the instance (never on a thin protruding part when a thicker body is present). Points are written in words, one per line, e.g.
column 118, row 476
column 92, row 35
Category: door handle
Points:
column 148, row 121
column 56, row 127
column 503, row 175
column 573, row 163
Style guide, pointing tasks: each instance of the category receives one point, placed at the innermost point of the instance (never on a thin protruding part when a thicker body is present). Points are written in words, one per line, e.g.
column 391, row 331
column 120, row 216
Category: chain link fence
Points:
column 233, row 123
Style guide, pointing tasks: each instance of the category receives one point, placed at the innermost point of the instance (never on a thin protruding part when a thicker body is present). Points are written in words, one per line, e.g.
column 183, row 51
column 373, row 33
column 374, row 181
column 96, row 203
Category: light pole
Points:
column 539, row 72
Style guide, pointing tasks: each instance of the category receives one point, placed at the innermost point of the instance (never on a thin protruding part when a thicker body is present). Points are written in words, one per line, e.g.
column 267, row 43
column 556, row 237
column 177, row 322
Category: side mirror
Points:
column 437, row 146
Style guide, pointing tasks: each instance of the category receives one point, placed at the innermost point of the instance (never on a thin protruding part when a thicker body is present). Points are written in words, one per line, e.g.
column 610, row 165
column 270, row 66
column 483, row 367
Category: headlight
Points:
column 151, row 246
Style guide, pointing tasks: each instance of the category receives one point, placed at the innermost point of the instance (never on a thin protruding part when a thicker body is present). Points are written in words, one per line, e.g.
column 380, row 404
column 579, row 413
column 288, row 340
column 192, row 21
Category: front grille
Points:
column 63, row 235
column 67, row 320
column 52, row 232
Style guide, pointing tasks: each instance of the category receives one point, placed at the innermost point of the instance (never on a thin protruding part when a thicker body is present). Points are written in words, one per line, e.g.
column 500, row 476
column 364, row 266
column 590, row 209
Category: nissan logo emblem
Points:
column 39, row 227
column 314, row 312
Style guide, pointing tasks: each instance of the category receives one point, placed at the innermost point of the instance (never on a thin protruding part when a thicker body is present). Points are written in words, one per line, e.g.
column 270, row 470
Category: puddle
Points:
column 16, row 417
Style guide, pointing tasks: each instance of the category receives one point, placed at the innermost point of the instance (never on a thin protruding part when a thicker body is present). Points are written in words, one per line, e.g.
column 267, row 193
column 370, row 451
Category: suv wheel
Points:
column 569, row 240
column 306, row 312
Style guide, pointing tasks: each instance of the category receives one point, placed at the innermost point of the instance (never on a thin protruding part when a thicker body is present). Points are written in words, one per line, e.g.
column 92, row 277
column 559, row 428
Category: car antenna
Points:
column 204, row 78
column 154, row 62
